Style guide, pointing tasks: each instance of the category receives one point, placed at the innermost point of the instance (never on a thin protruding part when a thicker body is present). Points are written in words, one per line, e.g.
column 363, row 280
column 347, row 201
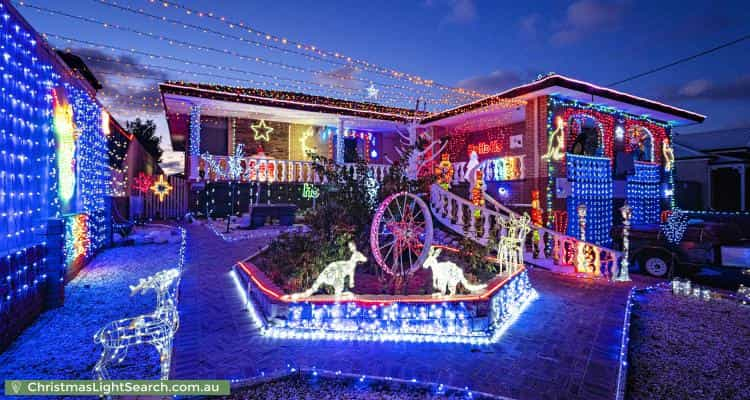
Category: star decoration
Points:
column 372, row 91
column 262, row 131
column 161, row 188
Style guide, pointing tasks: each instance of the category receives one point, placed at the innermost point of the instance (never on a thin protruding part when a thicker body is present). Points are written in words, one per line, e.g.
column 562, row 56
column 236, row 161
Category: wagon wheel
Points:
column 401, row 234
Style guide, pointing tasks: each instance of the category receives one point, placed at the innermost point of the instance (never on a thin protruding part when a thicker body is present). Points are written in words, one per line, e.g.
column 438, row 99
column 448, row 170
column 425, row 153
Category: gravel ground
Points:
column 313, row 388
column 681, row 348
column 59, row 345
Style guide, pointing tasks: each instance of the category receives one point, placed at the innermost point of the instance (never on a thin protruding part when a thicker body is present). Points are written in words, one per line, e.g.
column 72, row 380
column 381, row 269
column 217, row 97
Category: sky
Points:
column 486, row 46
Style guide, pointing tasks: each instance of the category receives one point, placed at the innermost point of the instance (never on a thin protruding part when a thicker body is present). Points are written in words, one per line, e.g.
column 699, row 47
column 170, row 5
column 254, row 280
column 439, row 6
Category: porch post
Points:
column 194, row 141
column 743, row 188
column 339, row 143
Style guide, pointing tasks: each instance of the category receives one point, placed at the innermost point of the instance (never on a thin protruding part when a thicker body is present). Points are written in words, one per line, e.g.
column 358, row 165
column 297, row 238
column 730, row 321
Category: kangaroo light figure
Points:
column 157, row 328
column 447, row 275
column 335, row 274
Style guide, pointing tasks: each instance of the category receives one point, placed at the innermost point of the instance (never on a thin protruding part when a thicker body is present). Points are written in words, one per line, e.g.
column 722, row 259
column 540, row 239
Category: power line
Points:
column 682, row 60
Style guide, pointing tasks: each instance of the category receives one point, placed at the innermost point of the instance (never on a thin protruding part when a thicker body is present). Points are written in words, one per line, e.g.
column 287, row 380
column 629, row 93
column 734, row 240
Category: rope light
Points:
column 200, row 47
column 268, row 37
column 173, row 59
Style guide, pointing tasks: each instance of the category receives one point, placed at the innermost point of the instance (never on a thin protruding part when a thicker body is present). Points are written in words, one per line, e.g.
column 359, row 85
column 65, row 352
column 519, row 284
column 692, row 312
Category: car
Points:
column 703, row 245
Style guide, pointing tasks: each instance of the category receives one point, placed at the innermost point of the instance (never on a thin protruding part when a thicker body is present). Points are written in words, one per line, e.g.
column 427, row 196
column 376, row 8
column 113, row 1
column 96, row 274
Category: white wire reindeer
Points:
column 157, row 328
column 511, row 244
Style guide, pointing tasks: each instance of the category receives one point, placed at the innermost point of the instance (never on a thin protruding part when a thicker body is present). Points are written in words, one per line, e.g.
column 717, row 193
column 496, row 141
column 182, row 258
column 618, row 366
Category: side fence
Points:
column 149, row 206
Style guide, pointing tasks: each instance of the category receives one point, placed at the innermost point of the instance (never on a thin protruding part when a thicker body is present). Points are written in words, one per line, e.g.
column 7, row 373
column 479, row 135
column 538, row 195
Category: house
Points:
column 557, row 141
column 712, row 170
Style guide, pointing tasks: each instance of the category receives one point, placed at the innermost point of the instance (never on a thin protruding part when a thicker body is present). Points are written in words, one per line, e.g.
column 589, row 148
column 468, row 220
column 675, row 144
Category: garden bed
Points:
column 684, row 348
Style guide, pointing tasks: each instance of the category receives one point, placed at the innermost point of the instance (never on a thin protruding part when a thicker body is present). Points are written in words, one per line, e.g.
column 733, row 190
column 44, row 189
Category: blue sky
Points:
column 482, row 45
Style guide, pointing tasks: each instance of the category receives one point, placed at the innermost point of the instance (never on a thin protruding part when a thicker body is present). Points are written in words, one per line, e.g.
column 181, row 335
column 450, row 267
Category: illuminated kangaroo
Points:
column 335, row 273
column 447, row 275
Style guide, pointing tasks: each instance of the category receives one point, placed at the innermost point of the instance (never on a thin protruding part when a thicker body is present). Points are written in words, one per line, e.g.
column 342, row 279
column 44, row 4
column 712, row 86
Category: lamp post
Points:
column 627, row 212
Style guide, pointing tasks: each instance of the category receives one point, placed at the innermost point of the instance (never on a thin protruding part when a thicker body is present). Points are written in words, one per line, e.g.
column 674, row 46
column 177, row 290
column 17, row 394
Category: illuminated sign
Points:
column 493, row 146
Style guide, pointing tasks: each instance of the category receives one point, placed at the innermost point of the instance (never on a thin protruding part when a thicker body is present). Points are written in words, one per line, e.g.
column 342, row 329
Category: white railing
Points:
column 459, row 169
column 273, row 170
column 460, row 215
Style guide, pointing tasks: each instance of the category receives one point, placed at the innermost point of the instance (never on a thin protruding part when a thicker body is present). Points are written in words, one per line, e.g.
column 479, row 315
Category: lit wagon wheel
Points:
column 401, row 234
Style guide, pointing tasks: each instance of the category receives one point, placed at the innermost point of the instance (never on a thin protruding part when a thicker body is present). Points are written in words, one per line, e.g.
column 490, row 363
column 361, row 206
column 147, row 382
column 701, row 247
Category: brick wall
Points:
column 278, row 144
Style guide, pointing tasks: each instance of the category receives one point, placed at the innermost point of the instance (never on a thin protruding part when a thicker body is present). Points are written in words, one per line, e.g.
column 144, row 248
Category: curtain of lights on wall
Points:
column 643, row 191
column 92, row 164
column 28, row 193
column 53, row 160
column 590, row 184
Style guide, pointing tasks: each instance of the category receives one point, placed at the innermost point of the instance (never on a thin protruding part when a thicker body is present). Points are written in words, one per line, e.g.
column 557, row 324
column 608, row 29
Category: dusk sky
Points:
column 487, row 46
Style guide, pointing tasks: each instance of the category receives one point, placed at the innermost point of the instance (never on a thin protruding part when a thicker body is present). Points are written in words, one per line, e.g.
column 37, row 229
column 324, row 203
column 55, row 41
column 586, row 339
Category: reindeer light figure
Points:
column 335, row 274
column 157, row 328
column 447, row 275
column 511, row 245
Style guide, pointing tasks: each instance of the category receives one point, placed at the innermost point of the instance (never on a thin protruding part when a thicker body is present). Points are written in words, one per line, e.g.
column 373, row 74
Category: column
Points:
column 194, row 142
column 338, row 150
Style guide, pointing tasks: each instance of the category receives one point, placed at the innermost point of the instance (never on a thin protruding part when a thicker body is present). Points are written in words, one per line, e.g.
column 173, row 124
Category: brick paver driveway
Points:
column 566, row 344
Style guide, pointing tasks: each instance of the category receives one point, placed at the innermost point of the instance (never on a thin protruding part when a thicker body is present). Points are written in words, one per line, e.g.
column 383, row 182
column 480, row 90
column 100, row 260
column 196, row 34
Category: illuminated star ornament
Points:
column 372, row 91
column 161, row 188
column 262, row 131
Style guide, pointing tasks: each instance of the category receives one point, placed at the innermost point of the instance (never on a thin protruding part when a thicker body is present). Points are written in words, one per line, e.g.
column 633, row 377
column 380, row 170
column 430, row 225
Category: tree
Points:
column 145, row 132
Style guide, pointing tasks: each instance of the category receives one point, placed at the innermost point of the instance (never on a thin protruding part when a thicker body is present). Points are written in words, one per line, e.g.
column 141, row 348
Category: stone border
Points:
column 246, row 383
column 482, row 319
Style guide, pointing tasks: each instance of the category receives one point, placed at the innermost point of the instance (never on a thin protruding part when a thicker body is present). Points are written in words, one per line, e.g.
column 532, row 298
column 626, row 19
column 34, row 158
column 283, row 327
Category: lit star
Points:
column 262, row 131
column 372, row 91
column 161, row 188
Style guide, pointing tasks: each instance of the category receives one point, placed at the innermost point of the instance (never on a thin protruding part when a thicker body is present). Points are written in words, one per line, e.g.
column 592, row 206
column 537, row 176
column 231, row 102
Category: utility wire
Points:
column 682, row 60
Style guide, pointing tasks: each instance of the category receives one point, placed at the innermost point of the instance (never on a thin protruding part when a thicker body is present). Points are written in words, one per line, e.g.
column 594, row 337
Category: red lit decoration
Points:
column 493, row 146
column 561, row 220
column 658, row 134
column 606, row 122
column 536, row 209
column 143, row 182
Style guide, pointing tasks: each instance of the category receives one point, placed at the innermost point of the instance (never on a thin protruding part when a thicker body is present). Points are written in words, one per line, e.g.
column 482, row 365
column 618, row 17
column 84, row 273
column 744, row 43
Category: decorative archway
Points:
column 640, row 141
column 586, row 136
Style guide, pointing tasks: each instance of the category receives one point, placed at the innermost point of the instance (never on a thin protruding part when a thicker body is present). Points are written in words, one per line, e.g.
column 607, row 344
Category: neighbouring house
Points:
column 712, row 170
column 556, row 143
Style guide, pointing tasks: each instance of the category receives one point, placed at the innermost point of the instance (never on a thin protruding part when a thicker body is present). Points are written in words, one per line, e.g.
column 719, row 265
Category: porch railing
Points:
column 275, row 170
column 478, row 223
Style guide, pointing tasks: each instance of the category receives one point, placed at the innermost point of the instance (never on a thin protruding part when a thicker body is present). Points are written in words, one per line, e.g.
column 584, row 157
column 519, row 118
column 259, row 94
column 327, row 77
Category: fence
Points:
column 174, row 205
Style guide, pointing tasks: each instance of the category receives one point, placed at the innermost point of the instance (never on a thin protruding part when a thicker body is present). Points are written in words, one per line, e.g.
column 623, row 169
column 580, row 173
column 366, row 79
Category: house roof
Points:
column 719, row 140
column 290, row 100
column 555, row 83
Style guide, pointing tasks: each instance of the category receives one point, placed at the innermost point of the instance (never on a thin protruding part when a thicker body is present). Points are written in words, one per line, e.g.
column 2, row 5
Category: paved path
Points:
column 566, row 344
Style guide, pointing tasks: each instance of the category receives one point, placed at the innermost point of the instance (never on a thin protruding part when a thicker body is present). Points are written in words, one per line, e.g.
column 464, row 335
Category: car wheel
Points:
column 656, row 264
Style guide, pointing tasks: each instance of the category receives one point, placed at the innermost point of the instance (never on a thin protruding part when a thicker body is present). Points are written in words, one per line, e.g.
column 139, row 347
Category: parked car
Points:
column 704, row 244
